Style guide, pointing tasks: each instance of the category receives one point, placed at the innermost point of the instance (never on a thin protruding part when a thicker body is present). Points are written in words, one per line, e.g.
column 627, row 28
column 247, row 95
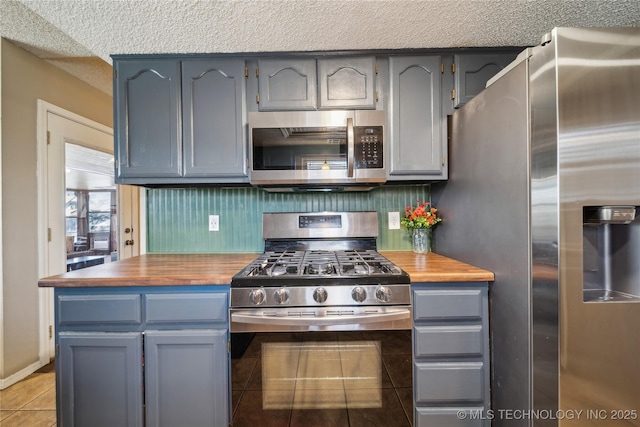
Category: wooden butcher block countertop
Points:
column 432, row 267
column 218, row 269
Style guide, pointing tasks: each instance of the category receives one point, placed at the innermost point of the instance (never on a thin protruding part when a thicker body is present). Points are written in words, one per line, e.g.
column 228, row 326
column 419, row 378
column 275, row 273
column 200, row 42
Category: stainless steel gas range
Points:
column 320, row 272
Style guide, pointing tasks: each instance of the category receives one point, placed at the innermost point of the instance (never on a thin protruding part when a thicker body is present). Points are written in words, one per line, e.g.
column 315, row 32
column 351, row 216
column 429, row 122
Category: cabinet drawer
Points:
column 449, row 382
column 441, row 341
column 430, row 304
column 87, row 309
column 449, row 417
column 186, row 308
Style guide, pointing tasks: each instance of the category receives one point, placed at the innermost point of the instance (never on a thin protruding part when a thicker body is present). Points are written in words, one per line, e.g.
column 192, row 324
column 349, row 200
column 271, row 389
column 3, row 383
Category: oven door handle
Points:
column 339, row 319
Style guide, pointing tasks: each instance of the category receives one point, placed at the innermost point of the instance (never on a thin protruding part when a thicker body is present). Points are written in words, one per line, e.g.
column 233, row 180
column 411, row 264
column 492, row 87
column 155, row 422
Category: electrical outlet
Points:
column 394, row 220
column 214, row 222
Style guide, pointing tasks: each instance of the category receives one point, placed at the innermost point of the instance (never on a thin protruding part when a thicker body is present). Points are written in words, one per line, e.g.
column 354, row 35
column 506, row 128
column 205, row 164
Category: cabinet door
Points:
column 113, row 362
column 187, row 378
column 347, row 82
column 147, row 110
column 473, row 71
column 213, row 105
column 415, row 118
column 287, row 84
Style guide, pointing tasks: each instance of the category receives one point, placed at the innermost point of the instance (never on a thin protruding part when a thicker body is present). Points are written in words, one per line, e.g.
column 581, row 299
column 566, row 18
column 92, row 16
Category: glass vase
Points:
column 421, row 240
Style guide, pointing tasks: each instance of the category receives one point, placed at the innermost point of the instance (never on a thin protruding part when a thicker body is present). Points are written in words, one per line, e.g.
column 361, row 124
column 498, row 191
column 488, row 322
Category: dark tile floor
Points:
column 395, row 379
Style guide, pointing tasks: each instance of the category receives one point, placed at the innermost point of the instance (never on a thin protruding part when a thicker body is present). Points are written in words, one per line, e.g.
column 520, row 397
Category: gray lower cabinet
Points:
column 154, row 356
column 192, row 365
column 99, row 379
column 417, row 150
column 451, row 354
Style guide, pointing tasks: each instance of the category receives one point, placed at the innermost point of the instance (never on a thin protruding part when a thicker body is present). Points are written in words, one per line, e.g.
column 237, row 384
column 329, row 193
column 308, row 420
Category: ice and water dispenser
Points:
column 611, row 253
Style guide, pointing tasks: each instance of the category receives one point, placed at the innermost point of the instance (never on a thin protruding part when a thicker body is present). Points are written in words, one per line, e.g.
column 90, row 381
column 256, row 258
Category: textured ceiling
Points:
column 79, row 35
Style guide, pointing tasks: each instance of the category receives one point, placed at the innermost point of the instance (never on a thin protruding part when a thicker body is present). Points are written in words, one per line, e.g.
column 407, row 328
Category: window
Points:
column 99, row 211
column 71, row 213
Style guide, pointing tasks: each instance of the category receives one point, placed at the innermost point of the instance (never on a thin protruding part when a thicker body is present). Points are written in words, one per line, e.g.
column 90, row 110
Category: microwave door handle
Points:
column 350, row 148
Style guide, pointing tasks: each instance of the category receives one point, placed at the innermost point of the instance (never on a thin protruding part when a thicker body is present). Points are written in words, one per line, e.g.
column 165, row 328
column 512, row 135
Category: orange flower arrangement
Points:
column 423, row 216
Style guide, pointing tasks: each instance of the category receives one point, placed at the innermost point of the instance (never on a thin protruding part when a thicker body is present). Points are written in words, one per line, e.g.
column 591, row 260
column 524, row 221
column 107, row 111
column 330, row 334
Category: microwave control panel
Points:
column 368, row 147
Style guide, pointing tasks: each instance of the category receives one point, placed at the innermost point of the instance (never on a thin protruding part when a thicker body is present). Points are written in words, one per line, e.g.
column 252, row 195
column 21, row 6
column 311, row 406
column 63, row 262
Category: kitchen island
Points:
column 144, row 341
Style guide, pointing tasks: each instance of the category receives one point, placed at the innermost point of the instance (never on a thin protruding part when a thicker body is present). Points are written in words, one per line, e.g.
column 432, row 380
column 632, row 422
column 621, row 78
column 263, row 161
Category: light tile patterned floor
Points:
column 30, row 402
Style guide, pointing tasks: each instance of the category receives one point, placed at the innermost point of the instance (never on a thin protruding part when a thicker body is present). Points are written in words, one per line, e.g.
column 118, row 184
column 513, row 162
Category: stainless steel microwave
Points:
column 317, row 149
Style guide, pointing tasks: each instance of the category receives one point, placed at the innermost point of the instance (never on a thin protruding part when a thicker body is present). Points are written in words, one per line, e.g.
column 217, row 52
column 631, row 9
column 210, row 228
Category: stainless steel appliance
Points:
column 544, row 179
column 320, row 272
column 317, row 149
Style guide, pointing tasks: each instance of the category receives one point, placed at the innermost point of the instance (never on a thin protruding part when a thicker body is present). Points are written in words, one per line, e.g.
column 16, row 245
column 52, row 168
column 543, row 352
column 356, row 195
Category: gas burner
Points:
column 277, row 270
column 320, row 268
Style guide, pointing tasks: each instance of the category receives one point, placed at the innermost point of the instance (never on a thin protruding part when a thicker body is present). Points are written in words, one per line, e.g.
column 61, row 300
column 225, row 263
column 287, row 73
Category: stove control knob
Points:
column 383, row 294
column 257, row 296
column 359, row 294
column 281, row 295
column 320, row 295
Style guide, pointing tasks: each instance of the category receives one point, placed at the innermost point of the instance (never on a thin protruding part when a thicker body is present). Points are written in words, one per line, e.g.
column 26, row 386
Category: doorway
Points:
column 80, row 209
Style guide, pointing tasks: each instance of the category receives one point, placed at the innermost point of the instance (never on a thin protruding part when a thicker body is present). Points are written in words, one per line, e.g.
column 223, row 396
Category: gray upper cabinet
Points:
column 148, row 128
column 180, row 122
column 287, row 84
column 312, row 84
column 417, row 148
column 472, row 71
column 213, row 105
column 347, row 82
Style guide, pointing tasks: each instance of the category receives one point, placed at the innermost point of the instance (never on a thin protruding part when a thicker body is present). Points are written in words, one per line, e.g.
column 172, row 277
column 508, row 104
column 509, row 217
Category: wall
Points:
column 177, row 219
column 24, row 79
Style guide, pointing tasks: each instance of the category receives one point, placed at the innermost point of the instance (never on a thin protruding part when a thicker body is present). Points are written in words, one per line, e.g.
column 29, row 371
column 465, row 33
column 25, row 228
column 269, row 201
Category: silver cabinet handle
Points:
column 350, row 147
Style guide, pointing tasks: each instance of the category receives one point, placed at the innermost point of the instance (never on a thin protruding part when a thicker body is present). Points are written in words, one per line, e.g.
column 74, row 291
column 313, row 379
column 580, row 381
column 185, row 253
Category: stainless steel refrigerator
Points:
column 544, row 180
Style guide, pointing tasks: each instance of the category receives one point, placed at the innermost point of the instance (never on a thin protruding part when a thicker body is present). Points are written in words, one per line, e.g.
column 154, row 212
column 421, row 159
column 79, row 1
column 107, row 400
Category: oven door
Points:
column 291, row 319
column 311, row 148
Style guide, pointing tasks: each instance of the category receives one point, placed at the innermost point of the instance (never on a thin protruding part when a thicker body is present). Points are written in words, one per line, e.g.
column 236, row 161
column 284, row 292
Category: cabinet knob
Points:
column 128, row 242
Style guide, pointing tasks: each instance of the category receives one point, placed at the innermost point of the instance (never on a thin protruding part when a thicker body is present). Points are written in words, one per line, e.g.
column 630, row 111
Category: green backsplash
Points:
column 177, row 219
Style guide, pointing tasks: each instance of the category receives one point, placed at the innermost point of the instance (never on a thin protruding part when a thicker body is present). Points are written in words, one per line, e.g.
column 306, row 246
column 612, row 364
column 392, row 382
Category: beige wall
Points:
column 24, row 79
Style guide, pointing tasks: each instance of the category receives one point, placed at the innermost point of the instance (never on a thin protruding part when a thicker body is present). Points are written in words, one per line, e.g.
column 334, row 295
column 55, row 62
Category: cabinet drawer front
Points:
column 449, row 417
column 186, row 308
column 440, row 341
column 430, row 304
column 449, row 382
column 111, row 309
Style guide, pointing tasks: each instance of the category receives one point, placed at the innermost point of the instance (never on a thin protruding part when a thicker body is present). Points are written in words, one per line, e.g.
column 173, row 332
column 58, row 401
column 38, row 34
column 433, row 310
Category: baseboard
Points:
column 20, row 375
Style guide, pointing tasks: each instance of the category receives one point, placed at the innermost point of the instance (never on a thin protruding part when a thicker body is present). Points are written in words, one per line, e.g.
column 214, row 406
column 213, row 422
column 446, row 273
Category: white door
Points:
column 58, row 127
